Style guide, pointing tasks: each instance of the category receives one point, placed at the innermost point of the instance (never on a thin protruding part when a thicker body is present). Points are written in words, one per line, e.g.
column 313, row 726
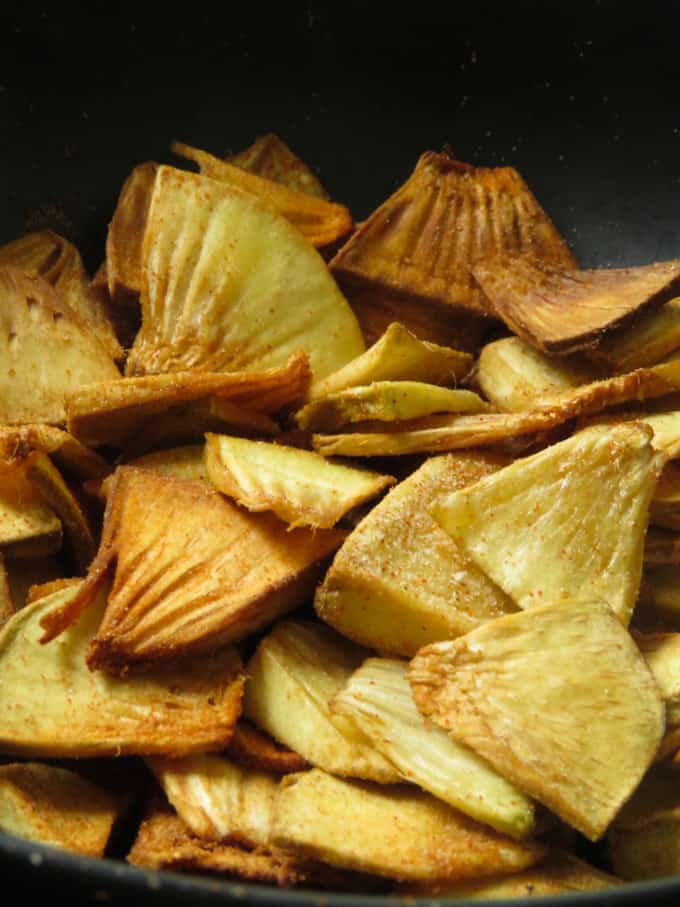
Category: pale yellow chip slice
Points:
column 398, row 831
column 51, row 704
column 567, row 522
column 228, row 285
column 299, row 486
column 546, row 696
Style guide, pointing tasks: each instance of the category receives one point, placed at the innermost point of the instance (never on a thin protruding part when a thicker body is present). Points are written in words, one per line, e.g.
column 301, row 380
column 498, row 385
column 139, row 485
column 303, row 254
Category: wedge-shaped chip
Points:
column 662, row 653
column 515, row 377
column 126, row 234
column 251, row 748
column 56, row 806
column 28, row 525
column 552, row 738
column 425, row 238
column 292, row 678
column 662, row 547
column 172, row 594
column 541, row 533
column 45, row 351
column 651, row 337
column 560, row 310
column 120, row 412
column 399, row 581
column 397, row 356
column 377, row 698
column 271, row 158
column 399, row 831
column 320, row 221
column 228, row 284
column 71, row 457
column 299, row 486
column 217, row 799
column 51, row 704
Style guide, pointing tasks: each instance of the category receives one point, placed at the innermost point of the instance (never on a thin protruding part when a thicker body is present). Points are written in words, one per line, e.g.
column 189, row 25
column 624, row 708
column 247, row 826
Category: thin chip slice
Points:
column 377, row 698
column 28, row 525
column 183, row 462
column 552, row 738
column 299, row 486
column 40, row 254
column 398, row 831
column 209, row 303
column 425, row 238
column 271, row 158
column 399, row 581
column 295, row 673
column 41, row 590
column 647, row 341
column 126, row 234
column 540, row 533
column 559, row 310
column 172, row 595
column 56, row 806
column 397, row 356
column 72, row 457
column 252, row 748
column 386, row 401
column 45, row 351
column 52, row 705
column 321, row 222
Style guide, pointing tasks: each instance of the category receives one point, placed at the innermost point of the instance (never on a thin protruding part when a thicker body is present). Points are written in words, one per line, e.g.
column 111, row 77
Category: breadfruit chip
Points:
column 126, row 233
column 52, row 705
column 295, row 673
column 395, row 831
column 40, row 254
column 386, row 401
column 192, row 570
column 183, row 462
column 228, row 284
column 321, row 222
column 552, row 738
column 121, row 412
column 397, row 356
column 56, row 806
column 648, row 340
column 28, row 525
column 72, row 457
column 662, row 654
column 539, row 531
column 299, row 486
column 45, row 351
column 399, row 581
column 559, row 309
column 377, row 698
column 515, row 377
column 251, row 748
column 424, row 240
column 271, row 158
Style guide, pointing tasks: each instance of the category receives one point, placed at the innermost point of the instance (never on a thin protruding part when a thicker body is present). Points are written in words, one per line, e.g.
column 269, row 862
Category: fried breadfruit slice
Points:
column 321, row 222
column 553, row 739
column 56, row 806
column 45, row 351
column 17, row 442
column 559, row 873
column 28, row 524
column 540, row 533
column 399, row 581
column 251, row 748
column 386, row 401
column 183, row 462
column 515, row 377
column 292, row 677
column 424, row 240
column 52, row 705
column 559, row 310
column 397, row 356
column 662, row 653
column 126, row 234
column 228, row 284
column 651, row 337
column 172, row 595
column 119, row 412
column 398, row 831
column 270, row 158
column 378, row 700
column 299, row 486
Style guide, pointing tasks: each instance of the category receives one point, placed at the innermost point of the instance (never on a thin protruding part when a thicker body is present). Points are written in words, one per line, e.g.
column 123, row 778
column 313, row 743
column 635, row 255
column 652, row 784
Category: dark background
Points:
column 581, row 97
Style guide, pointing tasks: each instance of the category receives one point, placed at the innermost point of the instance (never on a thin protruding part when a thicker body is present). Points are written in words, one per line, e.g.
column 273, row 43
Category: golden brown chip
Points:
column 28, row 525
column 552, row 738
column 41, row 254
column 41, row 590
column 559, row 309
column 424, row 240
column 271, row 158
column 126, row 233
column 651, row 337
column 72, row 457
column 252, row 748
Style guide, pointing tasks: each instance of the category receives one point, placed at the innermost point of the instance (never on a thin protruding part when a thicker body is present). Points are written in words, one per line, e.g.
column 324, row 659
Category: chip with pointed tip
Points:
column 321, row 222
column 651, row 337
column 299, row 486
column 559, row 310
column 17, row 442
column 126, row 234
column 252, row 748
column 52, row 705
column 45, row 351
column 538, row 531
column 424, row 240
column 228, row 284
column 271, row 158
column 552, row 739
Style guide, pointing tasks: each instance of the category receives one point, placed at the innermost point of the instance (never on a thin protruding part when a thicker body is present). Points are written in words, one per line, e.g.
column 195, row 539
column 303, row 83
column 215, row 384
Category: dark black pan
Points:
column 582, row 97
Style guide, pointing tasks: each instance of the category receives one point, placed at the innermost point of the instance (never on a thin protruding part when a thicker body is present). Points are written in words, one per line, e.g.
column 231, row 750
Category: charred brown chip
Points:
column 126, row 232
column 271, row 158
